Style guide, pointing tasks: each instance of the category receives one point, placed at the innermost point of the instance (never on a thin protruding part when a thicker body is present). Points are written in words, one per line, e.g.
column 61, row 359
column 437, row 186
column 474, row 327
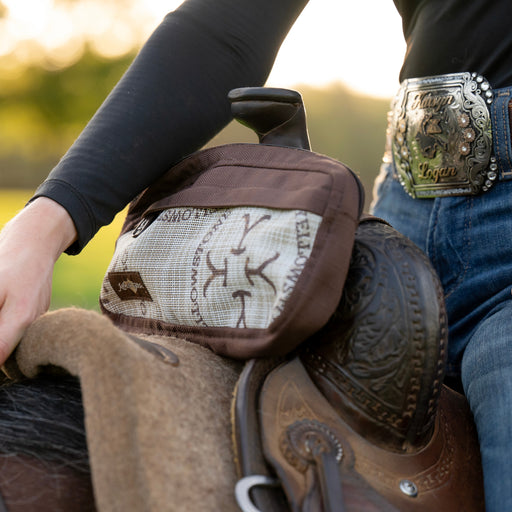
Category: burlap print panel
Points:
column 211, row 267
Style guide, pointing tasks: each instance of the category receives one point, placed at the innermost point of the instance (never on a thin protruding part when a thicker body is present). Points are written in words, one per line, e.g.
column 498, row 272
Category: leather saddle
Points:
column 358, row 418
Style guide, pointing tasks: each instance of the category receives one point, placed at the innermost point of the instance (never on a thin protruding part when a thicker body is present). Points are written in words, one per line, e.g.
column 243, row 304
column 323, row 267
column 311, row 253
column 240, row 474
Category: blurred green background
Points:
column 43, row 107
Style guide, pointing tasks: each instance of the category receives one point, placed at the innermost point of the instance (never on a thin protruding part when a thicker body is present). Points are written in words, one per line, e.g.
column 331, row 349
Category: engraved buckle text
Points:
column 442, row 137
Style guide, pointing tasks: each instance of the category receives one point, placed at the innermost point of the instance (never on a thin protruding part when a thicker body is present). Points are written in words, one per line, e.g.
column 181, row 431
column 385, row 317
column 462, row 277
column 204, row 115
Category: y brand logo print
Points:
column 237, row 270
column 247, row 229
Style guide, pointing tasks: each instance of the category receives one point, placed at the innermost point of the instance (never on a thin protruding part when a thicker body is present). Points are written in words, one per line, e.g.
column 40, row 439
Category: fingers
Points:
column 25, row 292
column 30, row 243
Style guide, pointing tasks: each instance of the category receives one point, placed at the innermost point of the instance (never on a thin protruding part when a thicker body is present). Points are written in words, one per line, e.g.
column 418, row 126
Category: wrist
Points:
column 46, row 224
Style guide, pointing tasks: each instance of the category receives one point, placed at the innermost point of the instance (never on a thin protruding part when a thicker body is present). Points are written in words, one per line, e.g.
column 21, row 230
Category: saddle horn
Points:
column 277, row 116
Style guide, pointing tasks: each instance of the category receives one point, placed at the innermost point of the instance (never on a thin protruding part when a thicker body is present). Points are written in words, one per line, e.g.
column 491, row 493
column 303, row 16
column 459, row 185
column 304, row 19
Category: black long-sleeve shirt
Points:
column 173, row 98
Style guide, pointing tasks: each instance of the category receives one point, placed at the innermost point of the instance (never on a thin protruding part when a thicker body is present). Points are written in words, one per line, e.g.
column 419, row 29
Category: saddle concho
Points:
column 441, row 135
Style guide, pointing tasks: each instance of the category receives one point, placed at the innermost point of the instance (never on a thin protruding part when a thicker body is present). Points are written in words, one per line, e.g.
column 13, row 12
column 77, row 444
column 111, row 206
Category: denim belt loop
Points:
column 502, row 140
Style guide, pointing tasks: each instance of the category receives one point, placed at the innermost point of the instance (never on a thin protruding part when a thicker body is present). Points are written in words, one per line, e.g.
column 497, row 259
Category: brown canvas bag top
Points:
column 242, row 248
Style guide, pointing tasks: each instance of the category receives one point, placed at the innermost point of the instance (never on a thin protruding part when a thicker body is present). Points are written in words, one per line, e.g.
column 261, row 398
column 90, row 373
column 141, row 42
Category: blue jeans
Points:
column 469, row 242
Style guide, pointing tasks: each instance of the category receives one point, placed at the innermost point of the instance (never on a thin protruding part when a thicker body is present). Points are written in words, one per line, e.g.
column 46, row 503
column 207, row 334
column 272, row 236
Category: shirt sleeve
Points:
column 169, row 103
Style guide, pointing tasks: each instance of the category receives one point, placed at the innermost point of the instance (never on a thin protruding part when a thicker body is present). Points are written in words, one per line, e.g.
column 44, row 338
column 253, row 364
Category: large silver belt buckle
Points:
column 442, row 137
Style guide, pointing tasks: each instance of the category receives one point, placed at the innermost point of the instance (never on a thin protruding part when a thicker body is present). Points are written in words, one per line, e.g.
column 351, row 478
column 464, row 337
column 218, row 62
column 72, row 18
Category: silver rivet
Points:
column 409, row 488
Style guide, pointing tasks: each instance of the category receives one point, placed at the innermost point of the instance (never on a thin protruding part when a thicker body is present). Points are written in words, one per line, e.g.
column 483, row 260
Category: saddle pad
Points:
column 156, row 412
column 242, row 248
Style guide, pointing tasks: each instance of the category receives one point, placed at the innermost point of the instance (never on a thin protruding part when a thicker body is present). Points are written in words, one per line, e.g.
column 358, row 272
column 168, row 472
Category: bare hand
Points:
column 30, row 244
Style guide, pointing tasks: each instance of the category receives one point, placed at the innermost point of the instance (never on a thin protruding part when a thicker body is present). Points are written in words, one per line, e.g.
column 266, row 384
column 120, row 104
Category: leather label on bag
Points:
column 129, row 286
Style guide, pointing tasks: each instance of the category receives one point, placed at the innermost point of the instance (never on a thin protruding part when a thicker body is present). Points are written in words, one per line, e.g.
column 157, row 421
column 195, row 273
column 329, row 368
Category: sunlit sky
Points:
column 358, row 43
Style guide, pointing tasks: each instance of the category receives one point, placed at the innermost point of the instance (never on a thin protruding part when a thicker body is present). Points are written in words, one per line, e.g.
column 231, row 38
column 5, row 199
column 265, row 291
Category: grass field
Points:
column 77, row 279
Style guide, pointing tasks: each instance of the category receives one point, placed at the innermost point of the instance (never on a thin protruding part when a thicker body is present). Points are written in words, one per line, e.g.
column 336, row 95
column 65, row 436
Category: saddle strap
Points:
column 258, row 488
column 326, row 464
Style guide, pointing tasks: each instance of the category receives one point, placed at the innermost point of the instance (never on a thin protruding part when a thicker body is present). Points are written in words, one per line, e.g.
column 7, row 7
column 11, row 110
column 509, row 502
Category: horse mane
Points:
column 43, row 418
column 44, row 461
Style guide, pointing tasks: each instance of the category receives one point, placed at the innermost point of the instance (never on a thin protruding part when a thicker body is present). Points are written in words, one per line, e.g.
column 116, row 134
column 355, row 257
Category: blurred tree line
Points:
column 42, row 112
